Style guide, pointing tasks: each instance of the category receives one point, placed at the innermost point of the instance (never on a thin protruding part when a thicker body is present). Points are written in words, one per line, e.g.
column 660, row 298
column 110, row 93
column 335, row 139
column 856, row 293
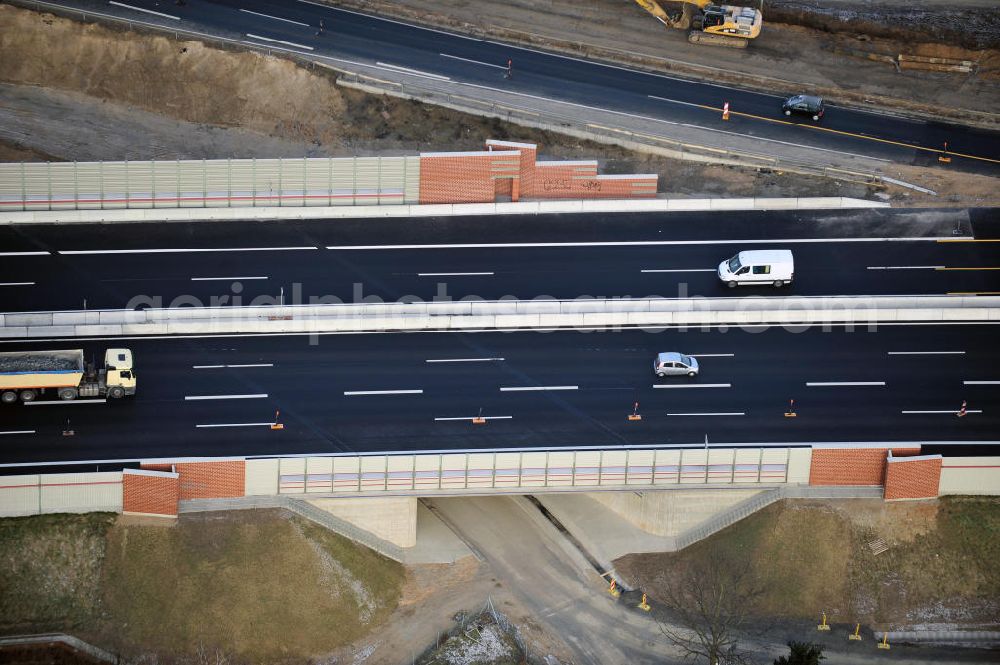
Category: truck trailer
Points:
column 27, row 375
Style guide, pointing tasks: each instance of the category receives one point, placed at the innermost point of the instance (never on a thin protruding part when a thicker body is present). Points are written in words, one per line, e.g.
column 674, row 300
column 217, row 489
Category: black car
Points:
column 804, row 105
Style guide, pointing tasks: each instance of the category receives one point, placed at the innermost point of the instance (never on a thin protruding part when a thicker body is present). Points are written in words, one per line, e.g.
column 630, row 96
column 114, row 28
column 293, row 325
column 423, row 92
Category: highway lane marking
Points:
column 231, row 366
column 17, row 283
column 720, row 413
column 949, row 411
column 828, row 130
column 389, row 20
column 192, row 398
column 383, row 392
column 145, row 11
column 981, row 383
column 712, row 355
column 453, row 274
column 181, row 250
column 926, row 353
column 415, row 72
column 823, row 384
column 280, row 41
column 968, row 239
column 473, row 417
column 24, row 253
column 65, row 402
column 236, row 425
column 19, row 431
column 629, row 243
column 695, row 385
column 518, row 389
column 475, row 62
column 905, row 267
column 276, row 18
column 971, row 268
column 463, row 360
column 224, row 279
column 679, row 270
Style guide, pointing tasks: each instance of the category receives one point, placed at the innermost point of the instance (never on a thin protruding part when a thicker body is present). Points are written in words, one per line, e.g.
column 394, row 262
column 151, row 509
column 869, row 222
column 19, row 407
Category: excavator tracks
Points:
column 709, row 39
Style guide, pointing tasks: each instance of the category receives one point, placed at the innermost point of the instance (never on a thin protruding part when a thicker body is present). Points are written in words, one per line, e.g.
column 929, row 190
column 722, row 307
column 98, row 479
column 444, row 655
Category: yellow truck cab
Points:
column 120, row 377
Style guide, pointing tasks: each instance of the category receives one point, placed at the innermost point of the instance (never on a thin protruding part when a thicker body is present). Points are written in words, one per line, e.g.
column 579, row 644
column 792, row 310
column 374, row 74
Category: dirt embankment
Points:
column 938, row 568
column 101, row 93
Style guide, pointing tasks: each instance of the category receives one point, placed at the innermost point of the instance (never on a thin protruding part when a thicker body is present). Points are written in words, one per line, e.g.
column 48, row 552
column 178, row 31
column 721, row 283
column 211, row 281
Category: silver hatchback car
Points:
column 675, row 364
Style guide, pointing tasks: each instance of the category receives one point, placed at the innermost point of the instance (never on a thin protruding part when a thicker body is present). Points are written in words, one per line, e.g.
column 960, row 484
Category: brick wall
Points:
column 912, row 478
column 212, row 480
column 150, row 492
column 464, row 177
column 508, row 168
column 851, row 466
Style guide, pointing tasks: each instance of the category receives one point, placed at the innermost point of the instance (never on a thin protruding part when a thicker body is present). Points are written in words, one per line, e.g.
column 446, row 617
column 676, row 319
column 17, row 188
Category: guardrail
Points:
column 475, row 314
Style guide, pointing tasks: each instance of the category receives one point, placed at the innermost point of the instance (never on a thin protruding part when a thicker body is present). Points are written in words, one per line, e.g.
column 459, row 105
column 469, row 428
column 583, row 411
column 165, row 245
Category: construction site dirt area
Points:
column 108, row 94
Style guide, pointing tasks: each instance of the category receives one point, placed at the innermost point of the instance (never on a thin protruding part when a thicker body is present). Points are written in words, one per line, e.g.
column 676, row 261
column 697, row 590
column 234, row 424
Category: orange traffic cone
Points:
column 276, row 424
column 725, row 111
column 962, row 412
column 635, row 413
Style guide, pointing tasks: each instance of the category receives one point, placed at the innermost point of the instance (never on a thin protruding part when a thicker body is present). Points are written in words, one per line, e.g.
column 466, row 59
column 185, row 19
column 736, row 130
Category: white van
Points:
column 759, row 266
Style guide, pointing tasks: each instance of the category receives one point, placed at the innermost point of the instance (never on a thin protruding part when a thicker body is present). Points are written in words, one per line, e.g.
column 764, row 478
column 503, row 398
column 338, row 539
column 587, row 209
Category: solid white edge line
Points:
column 146, row 11
column 475, row 62
column 695, row 385
column 193, row 398
column 19, row 431
column 721, row 413
column 822, row 384
column 276, row 18
column 904, row 267
column 981, row 383
column 17, row 283
column 383, row 392
column 951, row 411
column 632, row 243
column 280, row 41
column 180, row 250
column 521, row 389
column 472, row 417
column 414, row 72
column 926, row 353
column 66, row 402
column 453, row 274
column 679, row 270
column 236, row 425
column 224, row 279
column 462, row 360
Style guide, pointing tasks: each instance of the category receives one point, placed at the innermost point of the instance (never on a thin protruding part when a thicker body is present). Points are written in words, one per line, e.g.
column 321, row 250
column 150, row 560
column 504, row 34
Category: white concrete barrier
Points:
column 509, row 314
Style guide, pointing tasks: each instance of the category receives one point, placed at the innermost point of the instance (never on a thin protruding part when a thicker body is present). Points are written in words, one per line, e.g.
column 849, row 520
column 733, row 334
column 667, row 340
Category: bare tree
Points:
column 711, row 599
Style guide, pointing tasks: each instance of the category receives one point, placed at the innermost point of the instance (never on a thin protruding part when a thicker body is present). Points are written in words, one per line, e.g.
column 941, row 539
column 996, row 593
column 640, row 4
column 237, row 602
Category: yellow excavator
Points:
column 716, row 25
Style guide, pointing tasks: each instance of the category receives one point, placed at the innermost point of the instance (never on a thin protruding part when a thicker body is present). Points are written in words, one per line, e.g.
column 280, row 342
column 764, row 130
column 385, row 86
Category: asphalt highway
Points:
column 216, row 396
column 855, row 252
column 349, row 39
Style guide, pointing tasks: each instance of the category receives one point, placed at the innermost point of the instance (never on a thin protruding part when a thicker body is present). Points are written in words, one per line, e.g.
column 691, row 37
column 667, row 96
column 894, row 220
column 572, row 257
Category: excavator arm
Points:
column 682, row 21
